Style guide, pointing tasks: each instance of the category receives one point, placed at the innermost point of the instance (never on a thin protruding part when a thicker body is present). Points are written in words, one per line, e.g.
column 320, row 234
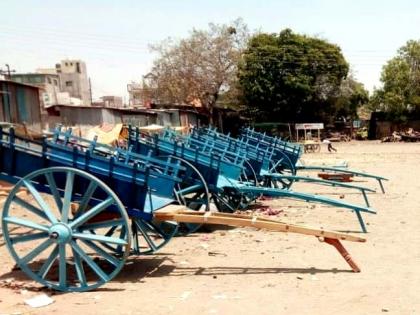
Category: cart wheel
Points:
column 311, row 148
column 248, row 175
column 192, row 192
column 231, row 199
column 150, row 236
column 57, row 234
column 282, row 166
column 227, row 199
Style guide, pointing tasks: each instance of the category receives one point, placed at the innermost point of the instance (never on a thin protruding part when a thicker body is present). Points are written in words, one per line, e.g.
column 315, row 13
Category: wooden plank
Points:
column 6, row 193
column 330, row 237
column 171, row 209
column 5, row 186
column 257, row 222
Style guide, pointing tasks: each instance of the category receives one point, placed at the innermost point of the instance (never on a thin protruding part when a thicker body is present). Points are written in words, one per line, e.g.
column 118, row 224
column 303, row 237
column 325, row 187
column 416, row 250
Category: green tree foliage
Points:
column 351, row 97
column 291, row 77
column 400, row 95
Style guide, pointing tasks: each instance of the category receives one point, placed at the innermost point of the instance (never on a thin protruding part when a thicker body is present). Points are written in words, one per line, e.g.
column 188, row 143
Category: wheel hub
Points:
column 60, row 233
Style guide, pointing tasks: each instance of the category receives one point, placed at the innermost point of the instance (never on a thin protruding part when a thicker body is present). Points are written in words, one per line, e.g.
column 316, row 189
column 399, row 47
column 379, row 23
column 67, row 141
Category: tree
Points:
column 400, row 95
column 291, row 77
column 197, row 69
column 351, row 97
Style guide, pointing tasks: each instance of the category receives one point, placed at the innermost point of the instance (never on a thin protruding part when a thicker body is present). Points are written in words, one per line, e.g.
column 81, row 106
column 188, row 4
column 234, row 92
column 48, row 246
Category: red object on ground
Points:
column 337, row 244
column 339, row 177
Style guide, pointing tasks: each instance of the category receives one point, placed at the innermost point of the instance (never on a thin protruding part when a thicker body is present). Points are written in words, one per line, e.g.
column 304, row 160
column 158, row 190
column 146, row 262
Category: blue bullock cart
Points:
column 78, row 209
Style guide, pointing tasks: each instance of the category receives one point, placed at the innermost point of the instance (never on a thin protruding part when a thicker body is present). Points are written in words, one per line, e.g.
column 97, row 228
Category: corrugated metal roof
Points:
column 21, row 84
column 131, row 110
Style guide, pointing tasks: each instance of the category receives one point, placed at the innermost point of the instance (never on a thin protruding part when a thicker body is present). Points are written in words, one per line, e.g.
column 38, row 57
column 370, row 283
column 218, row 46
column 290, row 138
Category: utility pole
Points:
column 90, row 92
column 7, row 73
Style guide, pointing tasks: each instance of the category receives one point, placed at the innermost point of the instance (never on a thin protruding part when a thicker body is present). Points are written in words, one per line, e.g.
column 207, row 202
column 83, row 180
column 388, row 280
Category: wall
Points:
column 86, row 117
column 49, row 84
column 112, row 101
column 386, row 128
column 139, row 120
column 164, row 119
column 20, row 104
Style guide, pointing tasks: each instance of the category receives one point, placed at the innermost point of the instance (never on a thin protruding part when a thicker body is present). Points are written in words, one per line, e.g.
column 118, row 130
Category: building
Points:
column 48, row 83
column 66, row 84
column 20, row 104
column 74, row 79
column 109, row 101
column 183, row 115
column 86, row 117
column 142, row 94
column 135, row 95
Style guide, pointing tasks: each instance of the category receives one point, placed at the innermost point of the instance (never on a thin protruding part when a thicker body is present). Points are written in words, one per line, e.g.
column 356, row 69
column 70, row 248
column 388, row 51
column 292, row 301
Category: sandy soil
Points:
column 245, row 271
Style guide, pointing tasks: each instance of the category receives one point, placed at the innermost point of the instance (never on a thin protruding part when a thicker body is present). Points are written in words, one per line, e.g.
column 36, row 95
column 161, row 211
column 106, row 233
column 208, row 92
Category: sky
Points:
column 113, row 37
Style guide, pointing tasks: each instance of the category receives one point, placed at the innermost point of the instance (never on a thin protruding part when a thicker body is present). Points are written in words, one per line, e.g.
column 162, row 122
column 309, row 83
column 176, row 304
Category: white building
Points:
column 74, row 79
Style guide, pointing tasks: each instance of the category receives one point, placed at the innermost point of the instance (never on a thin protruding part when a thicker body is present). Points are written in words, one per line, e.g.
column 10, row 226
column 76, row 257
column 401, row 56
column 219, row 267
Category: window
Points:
column 49, row 80
column 55, row 82
column 35, row 79
column 66, row 64
column 69, row 83
column 78, row 67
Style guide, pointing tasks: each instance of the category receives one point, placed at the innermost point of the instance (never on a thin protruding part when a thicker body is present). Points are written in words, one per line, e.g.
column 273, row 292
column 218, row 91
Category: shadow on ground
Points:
column 137, row 269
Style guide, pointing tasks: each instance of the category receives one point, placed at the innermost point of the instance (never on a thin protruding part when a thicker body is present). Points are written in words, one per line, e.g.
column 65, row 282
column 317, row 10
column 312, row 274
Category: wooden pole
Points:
column 343, row 252
column 189, row 216
column 179, row 214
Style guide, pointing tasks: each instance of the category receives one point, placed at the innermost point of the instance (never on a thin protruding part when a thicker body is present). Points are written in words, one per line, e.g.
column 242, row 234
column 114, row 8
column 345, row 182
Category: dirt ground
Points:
column 245, row 271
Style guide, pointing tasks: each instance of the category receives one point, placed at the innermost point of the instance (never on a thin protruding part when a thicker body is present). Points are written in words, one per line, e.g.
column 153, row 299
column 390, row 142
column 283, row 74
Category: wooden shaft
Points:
column 179, row 214
column 246, row 220
column 343, row 252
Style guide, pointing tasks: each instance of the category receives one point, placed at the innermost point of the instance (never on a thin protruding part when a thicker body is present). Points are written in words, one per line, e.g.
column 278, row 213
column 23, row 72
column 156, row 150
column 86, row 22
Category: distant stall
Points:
column 310, row 141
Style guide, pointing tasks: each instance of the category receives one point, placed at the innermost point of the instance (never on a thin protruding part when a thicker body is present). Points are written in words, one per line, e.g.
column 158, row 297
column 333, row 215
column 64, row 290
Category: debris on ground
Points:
column 39, row 301
column 185, row 295
column 265, row 198
column 13, row 284
column 204, row 246
column 410, row 135
column 270, row 211
column 216, row 254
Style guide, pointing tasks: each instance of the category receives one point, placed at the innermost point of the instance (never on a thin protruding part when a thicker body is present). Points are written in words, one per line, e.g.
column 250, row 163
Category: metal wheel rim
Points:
column 78, row 228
